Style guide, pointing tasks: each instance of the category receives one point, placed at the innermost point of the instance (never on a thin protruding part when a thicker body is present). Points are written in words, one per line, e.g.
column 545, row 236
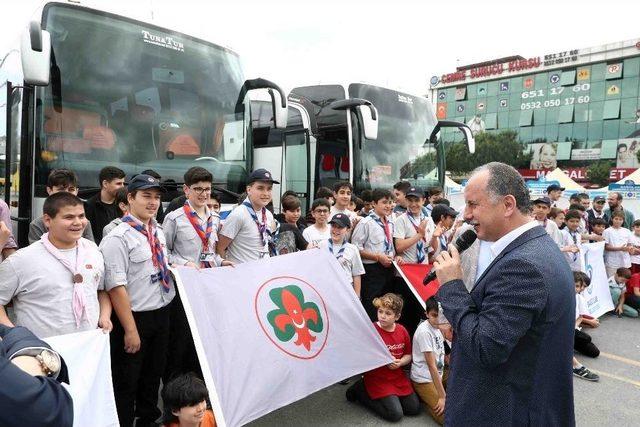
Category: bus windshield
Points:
column 138, row 97
column 405, row 123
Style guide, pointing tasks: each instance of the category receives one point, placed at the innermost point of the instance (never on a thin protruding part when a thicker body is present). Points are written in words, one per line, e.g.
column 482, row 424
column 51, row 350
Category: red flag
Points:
column 413, row 274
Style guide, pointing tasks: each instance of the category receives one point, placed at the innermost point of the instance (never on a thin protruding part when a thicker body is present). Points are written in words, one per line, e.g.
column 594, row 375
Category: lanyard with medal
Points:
column 575, row 243
column 206, row 256
column 157, row 254
column 79, row 303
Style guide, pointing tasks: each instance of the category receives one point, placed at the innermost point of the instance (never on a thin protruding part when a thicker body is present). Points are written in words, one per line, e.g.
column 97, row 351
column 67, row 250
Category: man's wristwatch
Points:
column 49, row 360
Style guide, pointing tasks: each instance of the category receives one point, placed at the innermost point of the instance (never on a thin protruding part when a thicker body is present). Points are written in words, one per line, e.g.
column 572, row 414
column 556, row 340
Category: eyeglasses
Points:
column 321, row 211
column 200, row 190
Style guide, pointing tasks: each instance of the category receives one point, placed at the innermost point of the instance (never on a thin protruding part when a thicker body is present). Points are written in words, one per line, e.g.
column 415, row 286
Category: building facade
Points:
column 570, row 108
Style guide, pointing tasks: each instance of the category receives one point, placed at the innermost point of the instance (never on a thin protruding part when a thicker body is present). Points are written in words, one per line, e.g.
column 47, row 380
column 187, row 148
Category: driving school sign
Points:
column 288, row 325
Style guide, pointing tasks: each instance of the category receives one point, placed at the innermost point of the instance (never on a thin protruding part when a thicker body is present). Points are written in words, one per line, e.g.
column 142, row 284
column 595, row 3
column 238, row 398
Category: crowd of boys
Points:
column 104, row 263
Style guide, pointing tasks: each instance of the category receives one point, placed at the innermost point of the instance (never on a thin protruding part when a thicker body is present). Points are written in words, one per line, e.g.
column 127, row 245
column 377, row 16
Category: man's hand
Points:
column 447, row 265
column 131, row 342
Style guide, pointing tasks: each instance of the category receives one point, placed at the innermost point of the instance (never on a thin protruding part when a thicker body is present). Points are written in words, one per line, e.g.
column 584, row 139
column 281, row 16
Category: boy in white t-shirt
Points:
column 57, row 283
column 319, row 231
column 571, row 239
column 617, row 247
column 618, row 289
column 345, row 253
column 427, row 364
column 246, row 234
column 342, row 191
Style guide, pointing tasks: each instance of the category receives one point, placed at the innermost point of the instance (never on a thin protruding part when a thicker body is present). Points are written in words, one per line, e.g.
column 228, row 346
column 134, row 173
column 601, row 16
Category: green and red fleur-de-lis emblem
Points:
column 294, row 316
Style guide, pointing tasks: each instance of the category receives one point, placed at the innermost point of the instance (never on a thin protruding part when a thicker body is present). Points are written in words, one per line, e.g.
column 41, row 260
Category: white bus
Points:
column 85, row 88
column 365, row 134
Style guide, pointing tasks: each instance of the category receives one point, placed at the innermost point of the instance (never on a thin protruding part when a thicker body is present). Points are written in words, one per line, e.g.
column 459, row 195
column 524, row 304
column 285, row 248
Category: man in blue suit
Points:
column 513, row 332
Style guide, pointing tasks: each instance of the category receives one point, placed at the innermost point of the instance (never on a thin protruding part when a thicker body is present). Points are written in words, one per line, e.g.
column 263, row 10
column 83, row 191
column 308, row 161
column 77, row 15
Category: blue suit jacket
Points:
column 513, row 339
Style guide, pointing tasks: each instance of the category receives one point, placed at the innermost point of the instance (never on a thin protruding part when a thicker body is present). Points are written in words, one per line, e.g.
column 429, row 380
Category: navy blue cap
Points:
column 554, row 187
column 341, row 220
column 415, row 192
column 261, row 175
column 143, row 182
column 542, row 200
column 598, row 199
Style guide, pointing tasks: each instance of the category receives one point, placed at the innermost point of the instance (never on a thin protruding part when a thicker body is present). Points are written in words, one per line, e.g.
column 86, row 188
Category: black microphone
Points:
column 462, row 243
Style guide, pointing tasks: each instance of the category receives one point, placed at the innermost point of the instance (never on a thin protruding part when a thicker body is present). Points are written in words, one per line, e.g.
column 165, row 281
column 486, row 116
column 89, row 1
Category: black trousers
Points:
column 582, row 344
column 182, row 357
column 376, row 282
column 136, row 377
column 391, row 408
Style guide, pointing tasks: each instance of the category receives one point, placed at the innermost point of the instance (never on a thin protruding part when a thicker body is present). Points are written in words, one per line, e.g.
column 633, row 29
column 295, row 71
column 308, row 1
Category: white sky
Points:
column 395, row 43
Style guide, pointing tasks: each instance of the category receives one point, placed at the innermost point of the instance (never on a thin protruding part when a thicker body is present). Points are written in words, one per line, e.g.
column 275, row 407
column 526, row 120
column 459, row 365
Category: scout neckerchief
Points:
column 204, row 234
column 263, row 230
column 575, row 242
column 78, row 302
column 156, row 249
column 387, row 231
column 340, row 251
column 420, row 244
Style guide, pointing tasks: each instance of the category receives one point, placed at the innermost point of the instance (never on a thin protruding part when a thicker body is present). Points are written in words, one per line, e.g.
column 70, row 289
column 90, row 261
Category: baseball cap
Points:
column 143, row 182
column 261, row 175
column 341, row 220
column 598, row 199
column 554, row 187
column 542, row 200
column 441, row 209
column 415, row 192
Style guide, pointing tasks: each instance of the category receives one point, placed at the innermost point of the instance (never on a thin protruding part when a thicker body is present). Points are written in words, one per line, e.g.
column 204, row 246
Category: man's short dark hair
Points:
column 181, row 392
column 583, row 196
column 574, row 196
column 572, row 214
column 431, row 305
column 380, row 193
column 290, row 203
column 324, row 193
column 618, row 195
column 320, row 202
column 402, row 186
column 581, row 277
column 197, row 174
column 505, row 180
column 366, row 196
column 434, row 191
column 342, row 184
column 109, row 173
column 57, row 201
column 62, row 177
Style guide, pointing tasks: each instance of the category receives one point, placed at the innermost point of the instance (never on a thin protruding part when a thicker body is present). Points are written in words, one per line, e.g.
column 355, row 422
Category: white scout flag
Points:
column 597, row 295
column 89, row 363
column 273, row 331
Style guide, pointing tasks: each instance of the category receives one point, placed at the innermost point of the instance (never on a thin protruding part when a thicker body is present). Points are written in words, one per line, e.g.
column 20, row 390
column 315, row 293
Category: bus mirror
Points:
column 369, row 116
column 280, row 109
column 367, row 112
column 35, row 48
column 466, row 131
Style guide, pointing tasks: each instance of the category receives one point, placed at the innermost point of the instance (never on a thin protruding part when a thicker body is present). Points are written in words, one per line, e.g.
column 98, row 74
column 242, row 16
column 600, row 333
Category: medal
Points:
column 77, row 278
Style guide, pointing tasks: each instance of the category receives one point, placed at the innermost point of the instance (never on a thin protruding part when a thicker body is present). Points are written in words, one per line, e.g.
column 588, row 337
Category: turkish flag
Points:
column 413, row 274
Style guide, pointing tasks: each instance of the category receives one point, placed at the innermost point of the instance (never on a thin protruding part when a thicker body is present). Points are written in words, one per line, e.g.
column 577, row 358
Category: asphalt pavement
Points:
column 611, row 401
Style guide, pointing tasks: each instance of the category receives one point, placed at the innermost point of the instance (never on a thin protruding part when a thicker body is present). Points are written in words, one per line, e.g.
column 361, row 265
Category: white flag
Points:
column 273, row 331
column 89, row 363
column 597, row 295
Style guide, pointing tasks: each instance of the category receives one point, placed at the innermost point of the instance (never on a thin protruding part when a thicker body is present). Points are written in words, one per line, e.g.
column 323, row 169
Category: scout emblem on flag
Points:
column 293, row 316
